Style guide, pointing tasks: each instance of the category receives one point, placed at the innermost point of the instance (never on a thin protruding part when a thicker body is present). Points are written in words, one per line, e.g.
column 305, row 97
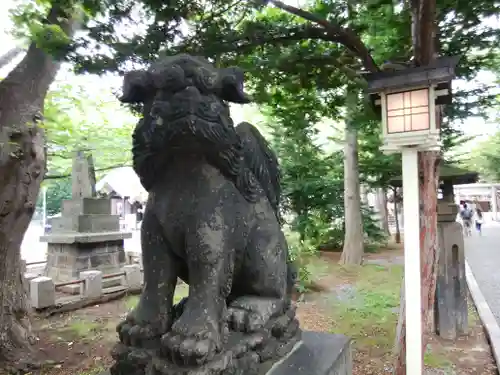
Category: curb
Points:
column 487, row 318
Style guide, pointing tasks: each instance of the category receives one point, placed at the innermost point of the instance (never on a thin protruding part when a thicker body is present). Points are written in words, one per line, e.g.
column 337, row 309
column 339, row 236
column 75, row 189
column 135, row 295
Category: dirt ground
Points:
column 361, row 302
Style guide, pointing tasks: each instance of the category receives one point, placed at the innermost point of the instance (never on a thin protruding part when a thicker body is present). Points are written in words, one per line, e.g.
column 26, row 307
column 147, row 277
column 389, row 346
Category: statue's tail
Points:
column 262, row 161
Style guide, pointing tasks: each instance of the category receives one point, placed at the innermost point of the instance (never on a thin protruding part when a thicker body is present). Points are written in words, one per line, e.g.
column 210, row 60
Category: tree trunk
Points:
column 22, row 167
column 9, row 56
column 396, row 217
column 381, row 196
column 353, row 250
column 424, row 33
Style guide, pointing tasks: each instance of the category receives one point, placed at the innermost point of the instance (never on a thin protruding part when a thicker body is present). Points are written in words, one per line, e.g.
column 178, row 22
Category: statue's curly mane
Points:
column 240, row 153
column 248, row 162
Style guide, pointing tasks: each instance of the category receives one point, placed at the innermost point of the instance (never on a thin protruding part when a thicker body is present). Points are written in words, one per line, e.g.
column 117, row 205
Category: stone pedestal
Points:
column 85, row 237
column 450, row 309
column 317, row 353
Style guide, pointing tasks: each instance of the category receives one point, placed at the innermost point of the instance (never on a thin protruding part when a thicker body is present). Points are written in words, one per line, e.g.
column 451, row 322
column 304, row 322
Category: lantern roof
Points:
column 448, row 174
column 440, row 72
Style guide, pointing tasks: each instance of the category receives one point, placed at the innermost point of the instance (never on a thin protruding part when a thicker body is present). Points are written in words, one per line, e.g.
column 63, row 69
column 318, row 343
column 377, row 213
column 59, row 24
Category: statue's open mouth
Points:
column 186, row 107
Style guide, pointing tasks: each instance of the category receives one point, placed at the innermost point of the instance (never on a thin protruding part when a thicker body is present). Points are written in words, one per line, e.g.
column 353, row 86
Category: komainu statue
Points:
column 212, row 221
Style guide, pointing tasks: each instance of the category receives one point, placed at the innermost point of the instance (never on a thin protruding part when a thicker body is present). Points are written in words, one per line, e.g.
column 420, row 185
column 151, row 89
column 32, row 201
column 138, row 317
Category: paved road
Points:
column 483, row 256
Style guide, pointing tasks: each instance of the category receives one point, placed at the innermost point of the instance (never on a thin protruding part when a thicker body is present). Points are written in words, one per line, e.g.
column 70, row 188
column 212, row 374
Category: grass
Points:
column 93, row 371
column 436, row 360
column 81, row 329
column 369, row 312
column 181, row 291
column 370, row 316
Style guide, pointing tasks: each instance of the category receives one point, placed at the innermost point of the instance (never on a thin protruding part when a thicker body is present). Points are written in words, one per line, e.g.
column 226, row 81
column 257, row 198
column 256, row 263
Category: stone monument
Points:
column 450, row 307
column 450, row 304
column 86, row 236
column 212, row 221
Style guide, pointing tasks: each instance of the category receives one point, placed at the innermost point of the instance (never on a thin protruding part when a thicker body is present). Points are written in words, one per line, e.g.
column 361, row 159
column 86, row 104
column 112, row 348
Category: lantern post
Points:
column 408, row 101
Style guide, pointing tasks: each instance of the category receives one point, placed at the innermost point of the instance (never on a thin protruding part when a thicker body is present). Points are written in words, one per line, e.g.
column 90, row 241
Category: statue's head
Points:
column 185, row 111
column 186, row 96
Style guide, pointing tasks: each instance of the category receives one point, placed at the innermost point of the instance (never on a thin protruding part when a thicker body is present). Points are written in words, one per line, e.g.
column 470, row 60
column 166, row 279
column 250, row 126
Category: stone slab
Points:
column 107, row 283
column 86, row 206
column 85, row 237
column 98, row 223
column 450, row 310
column 64, row 224
column 85, row 223
column 318, row 353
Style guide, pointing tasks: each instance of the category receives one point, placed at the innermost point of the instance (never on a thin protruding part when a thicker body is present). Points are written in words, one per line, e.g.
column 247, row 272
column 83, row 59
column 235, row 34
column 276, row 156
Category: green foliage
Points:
column 74, row 120
column 57, row 191
column 51, row 38
column 300, row 252
column 295, row 69
column 371, row 227
column 50, row 24
column 485, row 158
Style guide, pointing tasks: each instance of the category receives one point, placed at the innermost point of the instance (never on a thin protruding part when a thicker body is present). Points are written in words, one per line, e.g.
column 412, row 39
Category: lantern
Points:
column 407, row 99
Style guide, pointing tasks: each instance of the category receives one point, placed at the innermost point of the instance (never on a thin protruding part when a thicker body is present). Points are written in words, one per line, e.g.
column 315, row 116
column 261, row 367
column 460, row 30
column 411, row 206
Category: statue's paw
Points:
column 244, row 320
column 250, row 314
column 191, row 342
column 137, row 332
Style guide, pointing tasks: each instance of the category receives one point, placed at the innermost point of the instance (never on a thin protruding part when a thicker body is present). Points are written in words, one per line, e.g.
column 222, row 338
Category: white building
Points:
column 486, row 195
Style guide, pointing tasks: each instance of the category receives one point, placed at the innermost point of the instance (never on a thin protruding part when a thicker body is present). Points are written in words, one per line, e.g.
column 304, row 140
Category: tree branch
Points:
column 58, row 176
column 255, row 39
column 349, row 38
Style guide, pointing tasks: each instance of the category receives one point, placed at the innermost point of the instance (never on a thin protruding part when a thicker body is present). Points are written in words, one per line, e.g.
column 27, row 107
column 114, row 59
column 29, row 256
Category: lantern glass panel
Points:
column 408, row 111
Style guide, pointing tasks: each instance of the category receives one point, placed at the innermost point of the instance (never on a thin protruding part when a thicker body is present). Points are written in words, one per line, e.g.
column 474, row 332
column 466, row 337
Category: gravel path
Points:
column 483, row 255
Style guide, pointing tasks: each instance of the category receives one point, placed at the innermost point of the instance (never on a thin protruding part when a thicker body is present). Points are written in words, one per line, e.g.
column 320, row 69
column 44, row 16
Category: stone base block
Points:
column 86, row 224
column 86, row 206
column 317, row 353
column 106, row 283
column 65, row 261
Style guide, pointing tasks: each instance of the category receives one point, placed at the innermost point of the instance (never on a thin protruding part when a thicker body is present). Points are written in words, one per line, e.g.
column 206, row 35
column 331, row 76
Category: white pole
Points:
column 494, row 208
column 44, row 207
column 413, row 294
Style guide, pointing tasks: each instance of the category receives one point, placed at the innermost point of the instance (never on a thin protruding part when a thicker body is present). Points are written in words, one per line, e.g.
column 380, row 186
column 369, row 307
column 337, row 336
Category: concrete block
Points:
column 319, row 354
column 98, row 223
column 133, row 276
column 64, row 224
column 134, row 257
column 86, row 206
column 28, row 276
column 92, row 283
column 42, row 292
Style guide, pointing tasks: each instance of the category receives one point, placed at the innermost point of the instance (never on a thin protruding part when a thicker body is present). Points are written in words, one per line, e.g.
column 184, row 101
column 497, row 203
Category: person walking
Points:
column 466, row 216
column 478, row 219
